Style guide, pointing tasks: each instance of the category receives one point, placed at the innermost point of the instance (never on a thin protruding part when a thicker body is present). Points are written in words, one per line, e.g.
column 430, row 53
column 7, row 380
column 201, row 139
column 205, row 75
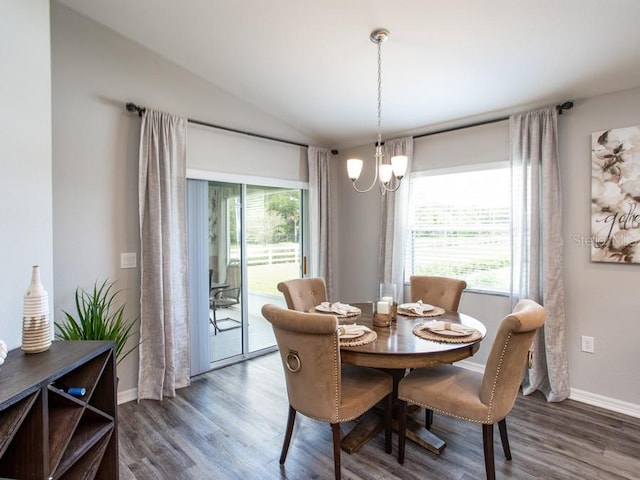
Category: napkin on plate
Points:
column 352, row 329
column 338, row 308
column 418, row 308
column 439, row 325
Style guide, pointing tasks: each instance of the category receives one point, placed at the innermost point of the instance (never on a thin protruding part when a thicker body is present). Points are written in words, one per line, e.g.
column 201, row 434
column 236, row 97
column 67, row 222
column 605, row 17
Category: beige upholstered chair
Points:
column 318, row 386
column 303, row 294
column 441, row 291
column 471, row 396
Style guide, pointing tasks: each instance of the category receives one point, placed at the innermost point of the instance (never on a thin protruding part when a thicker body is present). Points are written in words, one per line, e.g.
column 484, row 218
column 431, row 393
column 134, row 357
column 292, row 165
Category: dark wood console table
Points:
column 45, row 432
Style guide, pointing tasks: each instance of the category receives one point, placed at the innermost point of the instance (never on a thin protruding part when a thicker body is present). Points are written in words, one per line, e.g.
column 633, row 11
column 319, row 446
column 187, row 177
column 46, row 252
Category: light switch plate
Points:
column 128, row 260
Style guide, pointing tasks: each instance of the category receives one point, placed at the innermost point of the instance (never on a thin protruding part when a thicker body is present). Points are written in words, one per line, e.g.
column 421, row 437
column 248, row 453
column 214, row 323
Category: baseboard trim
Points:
column 582, row 396
column 607, row 403
column 127, row 395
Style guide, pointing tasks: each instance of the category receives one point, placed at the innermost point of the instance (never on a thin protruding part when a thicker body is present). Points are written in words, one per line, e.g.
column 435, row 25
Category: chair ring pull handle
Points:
column 293, row 362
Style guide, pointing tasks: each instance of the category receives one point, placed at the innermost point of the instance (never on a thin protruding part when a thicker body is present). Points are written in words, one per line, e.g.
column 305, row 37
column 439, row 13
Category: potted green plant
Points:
column 98, row 318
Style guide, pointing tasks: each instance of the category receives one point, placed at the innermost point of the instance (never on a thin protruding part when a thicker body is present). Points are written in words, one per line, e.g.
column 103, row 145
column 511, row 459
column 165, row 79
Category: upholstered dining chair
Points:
column 318, row 386
column 444, row 292
column 440, row 291
column 480, row 398
column 303, row 294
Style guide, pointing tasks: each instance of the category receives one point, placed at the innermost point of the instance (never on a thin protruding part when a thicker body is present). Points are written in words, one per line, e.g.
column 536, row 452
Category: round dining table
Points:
column 395, row 350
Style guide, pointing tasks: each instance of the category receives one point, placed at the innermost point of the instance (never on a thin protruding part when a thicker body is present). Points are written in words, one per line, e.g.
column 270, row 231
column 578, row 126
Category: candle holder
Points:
column 388, row 293
column 381, row 313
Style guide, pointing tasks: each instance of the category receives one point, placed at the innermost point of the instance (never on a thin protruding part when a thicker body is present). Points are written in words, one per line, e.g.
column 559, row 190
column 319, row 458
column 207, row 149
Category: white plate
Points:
column 408, row 306
column 352, row 335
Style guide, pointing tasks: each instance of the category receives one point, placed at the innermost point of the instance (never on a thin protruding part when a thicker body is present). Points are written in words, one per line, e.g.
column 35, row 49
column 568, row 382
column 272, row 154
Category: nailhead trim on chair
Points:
column 336, row 365
column 495, row 380
column 337, row 404
column 488, row 421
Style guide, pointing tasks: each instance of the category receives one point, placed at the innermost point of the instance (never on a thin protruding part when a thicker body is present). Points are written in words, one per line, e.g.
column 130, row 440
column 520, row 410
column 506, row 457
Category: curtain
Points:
column 164, row 329
column 320, row 225
column 394, row 220
column 537, row 244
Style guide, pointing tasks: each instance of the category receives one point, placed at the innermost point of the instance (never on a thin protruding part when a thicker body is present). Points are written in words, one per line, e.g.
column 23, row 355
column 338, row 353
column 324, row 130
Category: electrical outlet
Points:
column 588, row 344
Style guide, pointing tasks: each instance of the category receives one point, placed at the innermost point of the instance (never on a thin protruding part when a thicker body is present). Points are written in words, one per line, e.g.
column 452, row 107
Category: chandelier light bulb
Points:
column 399, row 165
column 354, row 168
column 385, row 173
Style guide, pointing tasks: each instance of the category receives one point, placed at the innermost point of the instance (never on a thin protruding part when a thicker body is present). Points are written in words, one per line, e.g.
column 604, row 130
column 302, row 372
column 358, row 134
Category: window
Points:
column 459, row 226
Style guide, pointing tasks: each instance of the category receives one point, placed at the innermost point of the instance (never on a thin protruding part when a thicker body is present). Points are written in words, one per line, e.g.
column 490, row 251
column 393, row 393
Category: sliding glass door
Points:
column 250, row 238
column 274, row 252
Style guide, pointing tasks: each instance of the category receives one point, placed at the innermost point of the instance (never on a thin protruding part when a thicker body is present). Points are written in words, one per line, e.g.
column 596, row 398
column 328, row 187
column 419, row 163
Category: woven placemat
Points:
column 421, row 331
column 368, row 337
column 431, row 313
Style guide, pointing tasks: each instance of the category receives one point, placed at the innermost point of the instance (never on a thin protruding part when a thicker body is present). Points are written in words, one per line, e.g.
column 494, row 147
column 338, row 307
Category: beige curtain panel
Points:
column 164, row 327
column 537, row 248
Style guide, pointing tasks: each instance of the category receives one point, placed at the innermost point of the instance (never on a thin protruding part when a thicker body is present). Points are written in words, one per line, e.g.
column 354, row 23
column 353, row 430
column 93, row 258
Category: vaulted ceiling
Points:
column 312, row 65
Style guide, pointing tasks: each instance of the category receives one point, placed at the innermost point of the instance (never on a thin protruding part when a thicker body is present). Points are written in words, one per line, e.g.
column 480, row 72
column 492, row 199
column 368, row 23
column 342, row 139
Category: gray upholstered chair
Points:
column 303, row 294
column 440, row 291
column 478, row 398
column 318, row 386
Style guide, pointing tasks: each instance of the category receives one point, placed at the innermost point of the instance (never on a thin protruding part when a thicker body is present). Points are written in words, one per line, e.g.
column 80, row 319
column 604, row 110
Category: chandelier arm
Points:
column 368, row 189
column 387, row 189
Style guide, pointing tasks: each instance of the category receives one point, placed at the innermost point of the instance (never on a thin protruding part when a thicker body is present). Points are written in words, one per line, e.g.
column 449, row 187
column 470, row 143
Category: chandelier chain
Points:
column 379, row 91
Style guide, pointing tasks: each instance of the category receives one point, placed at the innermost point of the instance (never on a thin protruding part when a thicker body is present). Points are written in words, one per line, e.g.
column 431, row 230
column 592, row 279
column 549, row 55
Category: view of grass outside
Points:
column 483, row 263
column 264, row 278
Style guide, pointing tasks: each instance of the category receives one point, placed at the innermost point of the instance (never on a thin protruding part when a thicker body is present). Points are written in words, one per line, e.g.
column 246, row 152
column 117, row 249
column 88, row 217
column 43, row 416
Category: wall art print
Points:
column 615, row 195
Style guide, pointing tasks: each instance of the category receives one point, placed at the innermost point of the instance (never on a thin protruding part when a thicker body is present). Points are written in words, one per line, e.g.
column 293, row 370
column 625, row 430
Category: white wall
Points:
column 25, row 156
column 95, row 150
column 602, row 300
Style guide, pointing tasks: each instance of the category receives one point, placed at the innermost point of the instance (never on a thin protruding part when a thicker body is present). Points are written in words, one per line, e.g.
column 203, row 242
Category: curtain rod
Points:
column 559, row 108
column 132, row 107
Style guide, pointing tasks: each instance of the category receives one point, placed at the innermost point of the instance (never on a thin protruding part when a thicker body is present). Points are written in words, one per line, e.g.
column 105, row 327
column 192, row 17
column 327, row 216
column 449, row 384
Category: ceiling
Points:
column 311, row 63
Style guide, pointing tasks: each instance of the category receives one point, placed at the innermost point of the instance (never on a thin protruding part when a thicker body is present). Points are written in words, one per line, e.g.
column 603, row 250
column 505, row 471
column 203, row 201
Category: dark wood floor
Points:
column 230, row 423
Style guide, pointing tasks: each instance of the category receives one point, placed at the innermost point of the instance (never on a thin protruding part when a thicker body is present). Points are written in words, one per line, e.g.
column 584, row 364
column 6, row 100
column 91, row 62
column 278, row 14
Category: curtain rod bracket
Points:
column 132, row 107
column 564, row 106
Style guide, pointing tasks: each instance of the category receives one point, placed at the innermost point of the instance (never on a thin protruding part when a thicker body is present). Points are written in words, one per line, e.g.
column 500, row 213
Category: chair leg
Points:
column 428, row 418
column 214, row 321
column 502, row 425
column 287, row 435
column 402, row 429
column 335, row 428
column 487, row 440
column 388, row 407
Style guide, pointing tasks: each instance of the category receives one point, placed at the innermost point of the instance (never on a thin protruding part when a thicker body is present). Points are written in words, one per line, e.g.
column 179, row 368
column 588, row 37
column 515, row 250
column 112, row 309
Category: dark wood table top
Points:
column 397, row 347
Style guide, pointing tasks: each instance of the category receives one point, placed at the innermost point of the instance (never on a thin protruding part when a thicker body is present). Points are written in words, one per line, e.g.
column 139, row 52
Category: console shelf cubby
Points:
column 45, row 433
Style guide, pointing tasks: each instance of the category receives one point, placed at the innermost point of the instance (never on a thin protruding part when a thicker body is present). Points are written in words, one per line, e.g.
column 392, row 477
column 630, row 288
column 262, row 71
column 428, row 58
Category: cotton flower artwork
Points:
column 3, row 351
column 615, row 195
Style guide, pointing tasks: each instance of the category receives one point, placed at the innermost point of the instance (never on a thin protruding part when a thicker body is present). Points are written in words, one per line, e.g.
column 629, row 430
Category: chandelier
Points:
column 384, row 171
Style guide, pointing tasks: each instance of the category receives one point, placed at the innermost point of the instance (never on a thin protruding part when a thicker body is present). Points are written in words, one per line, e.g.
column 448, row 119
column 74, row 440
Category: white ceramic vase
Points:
column 36, row 328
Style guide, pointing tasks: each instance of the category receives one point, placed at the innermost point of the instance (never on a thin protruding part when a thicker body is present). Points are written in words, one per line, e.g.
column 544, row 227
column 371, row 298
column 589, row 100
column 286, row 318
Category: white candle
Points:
column 389, row 300
column 383, row 307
